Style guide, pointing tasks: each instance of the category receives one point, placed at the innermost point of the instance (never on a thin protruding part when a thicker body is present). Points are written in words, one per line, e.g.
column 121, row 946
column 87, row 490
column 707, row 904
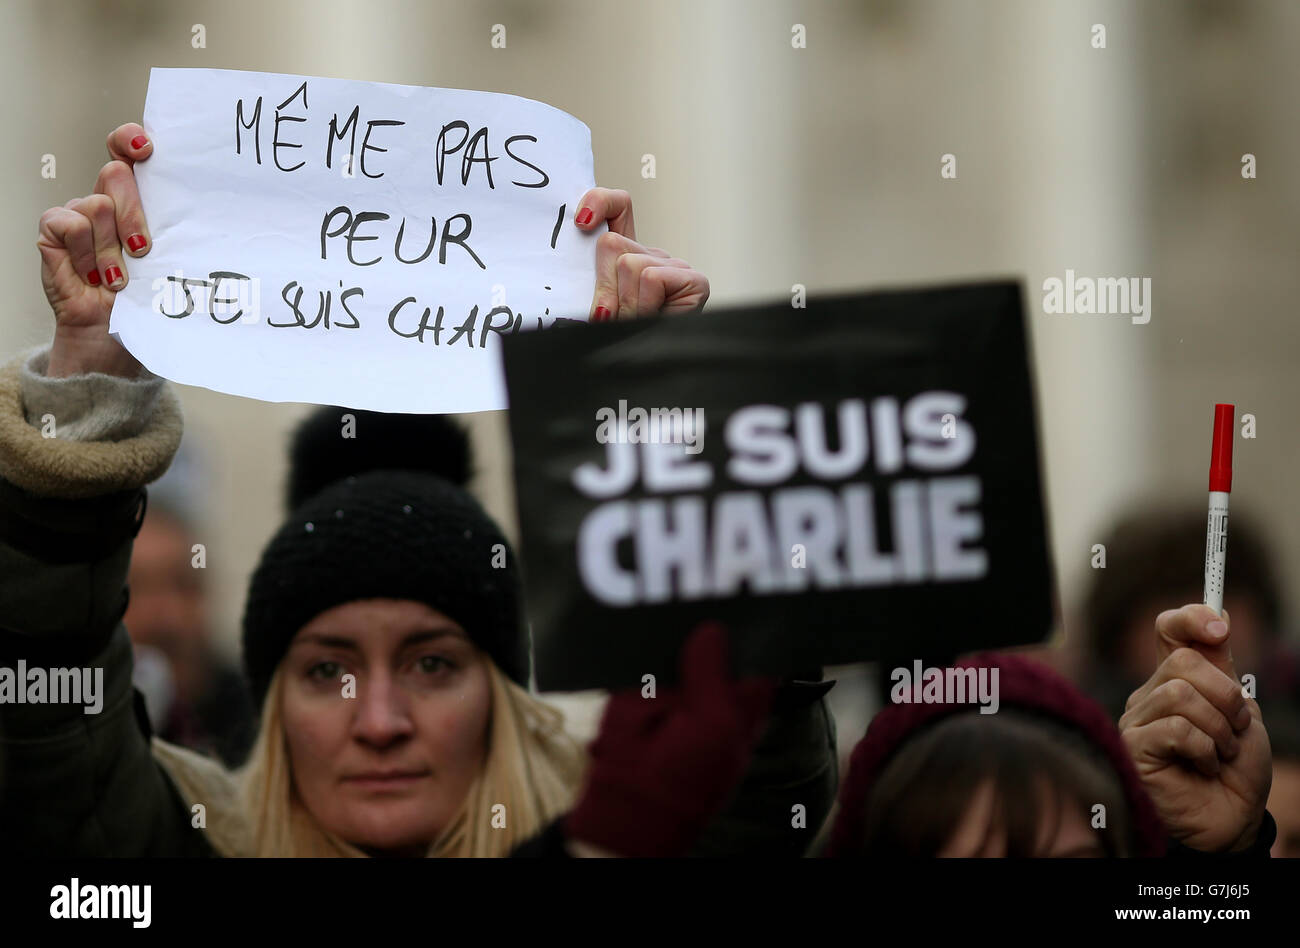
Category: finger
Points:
column 129, row 143
column 67, row 239
column 117, row 180
column 610, row 206
column 1220, row 690
column 671, row 289
column 706, row 669
column 1171, row 739
column 1180, row 697
column 629, row 269
column 1199, row 626
column 609, row 247
column 98, row 209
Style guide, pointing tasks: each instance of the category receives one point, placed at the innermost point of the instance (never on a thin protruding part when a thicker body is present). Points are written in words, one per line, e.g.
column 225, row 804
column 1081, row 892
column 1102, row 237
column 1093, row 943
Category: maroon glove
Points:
column 662, row 767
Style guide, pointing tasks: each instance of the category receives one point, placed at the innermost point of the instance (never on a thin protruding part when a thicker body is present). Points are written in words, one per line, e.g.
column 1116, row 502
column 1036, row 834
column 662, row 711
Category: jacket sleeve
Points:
column 790, row 785
column 76, row 774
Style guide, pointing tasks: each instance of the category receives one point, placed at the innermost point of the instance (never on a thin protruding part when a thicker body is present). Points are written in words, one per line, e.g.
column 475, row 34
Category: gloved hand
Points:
column 662, row 767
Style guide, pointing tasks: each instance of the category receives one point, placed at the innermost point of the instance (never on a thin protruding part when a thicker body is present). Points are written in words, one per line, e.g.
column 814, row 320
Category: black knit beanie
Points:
column 407, row 530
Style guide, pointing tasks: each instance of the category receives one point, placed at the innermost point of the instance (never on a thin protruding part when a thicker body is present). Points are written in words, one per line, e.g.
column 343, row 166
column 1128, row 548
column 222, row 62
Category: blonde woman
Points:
column 384, row 647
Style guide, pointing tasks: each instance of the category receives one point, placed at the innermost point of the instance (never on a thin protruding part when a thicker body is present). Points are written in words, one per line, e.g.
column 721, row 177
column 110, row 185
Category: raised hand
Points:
column 631, row 278
column 82, row 264
column 1198, row 742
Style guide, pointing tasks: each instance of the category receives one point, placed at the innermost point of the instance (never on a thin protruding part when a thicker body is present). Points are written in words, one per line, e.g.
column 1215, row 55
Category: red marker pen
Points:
column 1216, row 528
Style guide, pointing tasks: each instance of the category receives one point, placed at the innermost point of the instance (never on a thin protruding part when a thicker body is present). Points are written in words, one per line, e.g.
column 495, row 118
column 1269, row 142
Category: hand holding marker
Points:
column 1216, row 529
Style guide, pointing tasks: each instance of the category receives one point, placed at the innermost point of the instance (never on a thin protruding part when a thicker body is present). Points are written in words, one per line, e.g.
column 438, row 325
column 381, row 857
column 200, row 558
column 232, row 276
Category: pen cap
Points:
column 1221, row 452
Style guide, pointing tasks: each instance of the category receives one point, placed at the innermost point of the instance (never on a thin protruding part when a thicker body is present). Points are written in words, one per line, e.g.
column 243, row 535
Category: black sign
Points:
column 853, row 480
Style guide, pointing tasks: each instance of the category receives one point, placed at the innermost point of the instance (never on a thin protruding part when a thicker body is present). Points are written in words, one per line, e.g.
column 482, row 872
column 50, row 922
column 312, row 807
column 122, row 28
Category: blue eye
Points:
column 325, row 671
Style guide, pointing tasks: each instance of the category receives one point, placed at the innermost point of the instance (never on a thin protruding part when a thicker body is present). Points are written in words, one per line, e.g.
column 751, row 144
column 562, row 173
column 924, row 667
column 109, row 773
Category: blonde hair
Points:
column 532, row 766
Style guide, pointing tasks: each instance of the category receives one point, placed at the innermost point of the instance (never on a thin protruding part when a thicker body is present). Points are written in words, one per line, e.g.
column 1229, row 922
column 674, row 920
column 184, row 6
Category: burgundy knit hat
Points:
column 1023, row 684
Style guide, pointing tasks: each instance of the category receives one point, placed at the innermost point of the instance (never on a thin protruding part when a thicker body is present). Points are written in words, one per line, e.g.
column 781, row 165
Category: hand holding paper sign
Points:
column 82, row 268
column 1198, row 742
column 632, row 279
column 371, row 244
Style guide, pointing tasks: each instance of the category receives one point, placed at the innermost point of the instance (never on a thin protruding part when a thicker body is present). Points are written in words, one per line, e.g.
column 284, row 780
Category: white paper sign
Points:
column 352, row 243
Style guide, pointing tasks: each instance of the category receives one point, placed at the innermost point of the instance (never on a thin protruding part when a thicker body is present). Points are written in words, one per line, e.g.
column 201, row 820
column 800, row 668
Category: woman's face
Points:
column 384, row 760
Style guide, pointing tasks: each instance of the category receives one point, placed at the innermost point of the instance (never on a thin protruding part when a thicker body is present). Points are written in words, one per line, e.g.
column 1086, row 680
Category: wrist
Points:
column 78, row 352
column 1247, row 839
column 1253, row 844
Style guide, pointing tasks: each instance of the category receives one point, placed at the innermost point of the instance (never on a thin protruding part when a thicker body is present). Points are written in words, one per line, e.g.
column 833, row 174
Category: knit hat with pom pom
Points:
column 378, row 509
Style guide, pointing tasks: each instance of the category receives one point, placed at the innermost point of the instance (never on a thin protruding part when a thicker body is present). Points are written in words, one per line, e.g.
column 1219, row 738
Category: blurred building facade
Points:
column 819, row 166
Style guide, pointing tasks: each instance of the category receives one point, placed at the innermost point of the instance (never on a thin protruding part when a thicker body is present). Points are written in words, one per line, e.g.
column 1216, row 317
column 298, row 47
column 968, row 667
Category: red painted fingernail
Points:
column 113, row 275
column 135, row 241
column 584, row 216
column 93, row 278
column 601, row 314
column 139, row 142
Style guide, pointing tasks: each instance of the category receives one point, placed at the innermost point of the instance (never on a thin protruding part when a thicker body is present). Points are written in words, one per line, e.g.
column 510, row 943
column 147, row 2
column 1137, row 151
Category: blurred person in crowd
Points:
column 1048, row 774
column 1155, row 557
column 1284, row 798
column 194, row 697
column 383, row 641
column 942, row 779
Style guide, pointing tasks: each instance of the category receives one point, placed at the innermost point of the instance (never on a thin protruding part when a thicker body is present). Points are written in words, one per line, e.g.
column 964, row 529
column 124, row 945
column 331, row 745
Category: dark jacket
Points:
column 73, row 783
